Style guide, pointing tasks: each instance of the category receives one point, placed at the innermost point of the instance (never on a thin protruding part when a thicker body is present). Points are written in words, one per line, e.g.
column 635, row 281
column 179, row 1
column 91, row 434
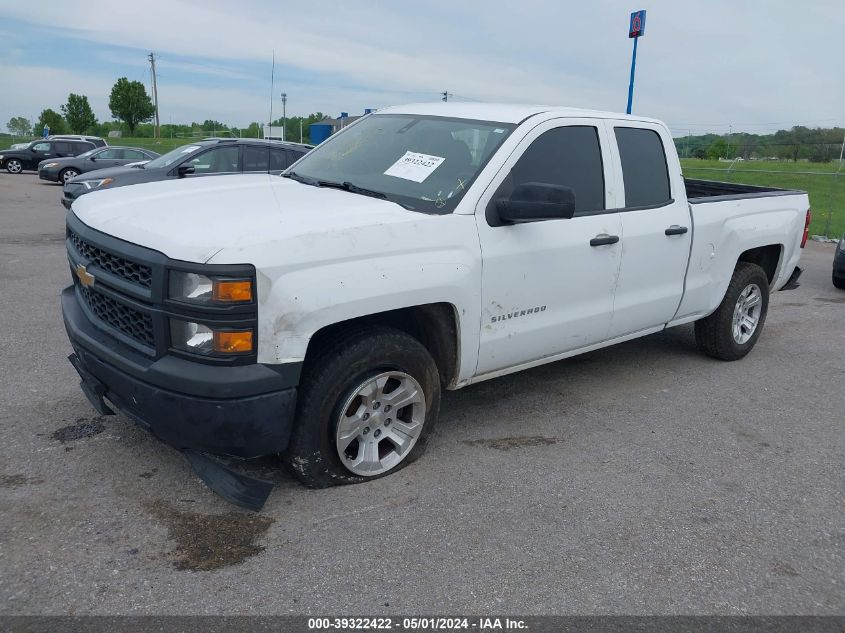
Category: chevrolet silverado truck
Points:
column 318, row 315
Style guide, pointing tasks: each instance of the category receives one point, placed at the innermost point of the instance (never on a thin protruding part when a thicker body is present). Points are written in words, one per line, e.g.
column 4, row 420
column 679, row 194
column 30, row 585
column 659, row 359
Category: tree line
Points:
column 818, row 145
column 132, row 108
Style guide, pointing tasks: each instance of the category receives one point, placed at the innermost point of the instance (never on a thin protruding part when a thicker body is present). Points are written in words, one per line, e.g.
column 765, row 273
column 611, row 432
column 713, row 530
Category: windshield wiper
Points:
column 352, row 188
column 303, row 179
column 345, row 186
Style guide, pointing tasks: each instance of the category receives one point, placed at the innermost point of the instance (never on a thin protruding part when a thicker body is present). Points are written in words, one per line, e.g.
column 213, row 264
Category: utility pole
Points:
column 300, row 129
column 841, row 153
column 152, row 59
column 284, row 113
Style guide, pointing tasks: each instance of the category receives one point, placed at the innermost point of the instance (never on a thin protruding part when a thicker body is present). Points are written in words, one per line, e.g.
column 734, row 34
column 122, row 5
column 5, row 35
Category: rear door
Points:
column 656, row 227
column 545, row 289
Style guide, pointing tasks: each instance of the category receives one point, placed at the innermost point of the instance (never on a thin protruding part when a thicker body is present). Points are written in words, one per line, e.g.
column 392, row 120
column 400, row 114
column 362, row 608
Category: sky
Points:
column 702, row 66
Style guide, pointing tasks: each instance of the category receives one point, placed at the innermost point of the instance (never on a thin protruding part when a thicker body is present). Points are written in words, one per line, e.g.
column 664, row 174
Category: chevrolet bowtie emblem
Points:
column 85, row 278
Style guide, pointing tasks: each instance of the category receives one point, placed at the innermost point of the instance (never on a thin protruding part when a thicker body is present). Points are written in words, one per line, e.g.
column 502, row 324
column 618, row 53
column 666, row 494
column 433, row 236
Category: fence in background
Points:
column 824, row 182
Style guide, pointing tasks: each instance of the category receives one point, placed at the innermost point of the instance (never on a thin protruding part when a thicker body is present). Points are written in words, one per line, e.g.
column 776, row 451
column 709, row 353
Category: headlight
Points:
column 96, row 184
column 48, row 165
column 194, row 288
column 202, row 339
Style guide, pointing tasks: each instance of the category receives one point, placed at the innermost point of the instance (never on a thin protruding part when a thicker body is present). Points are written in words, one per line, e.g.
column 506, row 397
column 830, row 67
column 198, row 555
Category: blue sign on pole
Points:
column 637, row 27
column 636, row 30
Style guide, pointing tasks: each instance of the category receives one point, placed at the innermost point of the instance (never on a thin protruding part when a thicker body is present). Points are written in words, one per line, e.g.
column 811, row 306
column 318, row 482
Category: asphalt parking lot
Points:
column 640, row 479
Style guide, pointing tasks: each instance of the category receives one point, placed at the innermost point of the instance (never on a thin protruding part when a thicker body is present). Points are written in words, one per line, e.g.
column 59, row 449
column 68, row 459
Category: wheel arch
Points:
column 766, row 257
column 435, row 325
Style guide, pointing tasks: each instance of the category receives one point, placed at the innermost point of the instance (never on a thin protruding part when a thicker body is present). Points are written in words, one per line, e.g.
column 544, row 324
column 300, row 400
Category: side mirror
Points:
column 184, row 170
column 537, row 201
column 93, row 159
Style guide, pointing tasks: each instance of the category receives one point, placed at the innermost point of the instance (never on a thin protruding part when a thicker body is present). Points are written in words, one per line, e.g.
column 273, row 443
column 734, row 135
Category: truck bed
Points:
column 699, row 191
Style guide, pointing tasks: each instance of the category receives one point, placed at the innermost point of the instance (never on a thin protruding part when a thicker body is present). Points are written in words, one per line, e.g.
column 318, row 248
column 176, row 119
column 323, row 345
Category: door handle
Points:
column 603, row 238
column 676, row 230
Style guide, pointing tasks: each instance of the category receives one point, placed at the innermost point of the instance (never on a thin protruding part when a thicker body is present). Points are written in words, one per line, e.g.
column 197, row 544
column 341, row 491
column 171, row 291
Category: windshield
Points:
column 165, row 160
column 424, row 163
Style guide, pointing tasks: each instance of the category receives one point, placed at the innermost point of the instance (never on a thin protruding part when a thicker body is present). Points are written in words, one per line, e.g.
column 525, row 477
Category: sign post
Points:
column 636, row 29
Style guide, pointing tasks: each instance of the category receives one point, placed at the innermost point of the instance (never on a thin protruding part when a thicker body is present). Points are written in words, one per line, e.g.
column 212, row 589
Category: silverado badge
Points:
column 85, row 278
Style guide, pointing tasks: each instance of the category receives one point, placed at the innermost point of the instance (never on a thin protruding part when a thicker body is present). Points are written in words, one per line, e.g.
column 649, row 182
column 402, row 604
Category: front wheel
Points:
column 839, row 282
column 67, row 174
column 367, row 405
column 733, row 329
column 14, row 166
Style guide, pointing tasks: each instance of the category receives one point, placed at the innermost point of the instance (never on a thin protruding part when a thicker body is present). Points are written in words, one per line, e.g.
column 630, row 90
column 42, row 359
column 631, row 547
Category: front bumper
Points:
column 180, row 401
column 48, row 174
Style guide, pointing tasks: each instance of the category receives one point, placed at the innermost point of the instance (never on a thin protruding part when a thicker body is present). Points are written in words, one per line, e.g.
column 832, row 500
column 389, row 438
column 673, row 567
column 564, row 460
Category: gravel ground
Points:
column 640, row 479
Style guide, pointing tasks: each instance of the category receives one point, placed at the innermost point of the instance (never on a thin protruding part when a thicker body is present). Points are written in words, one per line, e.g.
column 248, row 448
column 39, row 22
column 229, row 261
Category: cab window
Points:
column 568, row 156
column 644, row 169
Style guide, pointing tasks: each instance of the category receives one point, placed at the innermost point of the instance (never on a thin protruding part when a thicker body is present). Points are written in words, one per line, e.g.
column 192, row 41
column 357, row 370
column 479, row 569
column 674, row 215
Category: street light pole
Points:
column 284, row 113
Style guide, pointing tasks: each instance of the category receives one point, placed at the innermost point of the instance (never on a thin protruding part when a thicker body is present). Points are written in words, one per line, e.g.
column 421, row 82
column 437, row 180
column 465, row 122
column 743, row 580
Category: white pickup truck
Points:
column 319, row 314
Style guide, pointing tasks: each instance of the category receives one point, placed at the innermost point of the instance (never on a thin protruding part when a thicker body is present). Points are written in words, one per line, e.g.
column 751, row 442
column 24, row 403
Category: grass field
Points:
column 827, row 193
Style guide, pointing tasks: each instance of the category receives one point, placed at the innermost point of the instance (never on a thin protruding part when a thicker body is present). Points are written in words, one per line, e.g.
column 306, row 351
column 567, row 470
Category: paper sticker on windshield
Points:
column 189, row 149
column 414, row 166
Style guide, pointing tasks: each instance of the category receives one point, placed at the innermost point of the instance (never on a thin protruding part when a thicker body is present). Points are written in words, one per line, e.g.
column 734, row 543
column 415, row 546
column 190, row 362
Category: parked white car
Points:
column 424, row 247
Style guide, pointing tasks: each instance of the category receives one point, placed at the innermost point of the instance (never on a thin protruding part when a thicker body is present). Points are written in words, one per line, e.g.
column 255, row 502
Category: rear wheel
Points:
column 367, row 405
column 14, row 166
column 67, row 174
column 733, row 329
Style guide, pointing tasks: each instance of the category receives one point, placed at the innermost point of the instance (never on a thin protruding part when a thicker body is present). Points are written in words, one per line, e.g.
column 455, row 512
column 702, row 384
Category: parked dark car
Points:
column 63, row 169
column 16, row 160
column 839, row 265
column 203, row 158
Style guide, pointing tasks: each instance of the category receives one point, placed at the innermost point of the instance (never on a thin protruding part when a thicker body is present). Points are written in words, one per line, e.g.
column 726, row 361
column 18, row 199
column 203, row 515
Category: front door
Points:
column 545, row 288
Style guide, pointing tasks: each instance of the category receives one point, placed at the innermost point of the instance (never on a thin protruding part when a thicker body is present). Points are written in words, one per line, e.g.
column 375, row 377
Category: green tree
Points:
column 52, row 119
column 719, row 149
column 130, row 103
column 19, row 126
column 78, row 114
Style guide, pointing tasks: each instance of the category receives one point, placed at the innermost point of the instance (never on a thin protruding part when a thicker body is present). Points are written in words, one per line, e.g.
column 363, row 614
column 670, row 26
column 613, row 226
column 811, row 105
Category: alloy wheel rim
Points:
column 14, row 166
column 747, row 313
column 70, row 174
column 379, row 423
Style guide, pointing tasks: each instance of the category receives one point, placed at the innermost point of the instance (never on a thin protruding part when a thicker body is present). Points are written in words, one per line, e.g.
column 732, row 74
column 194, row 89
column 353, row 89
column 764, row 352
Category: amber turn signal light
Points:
column 236, row 342
column 231, row 291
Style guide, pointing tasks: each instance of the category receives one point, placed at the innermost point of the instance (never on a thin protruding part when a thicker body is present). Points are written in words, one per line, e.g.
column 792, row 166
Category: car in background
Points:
column 203, row 158
column 96, row 140
column 839, row 265
column 63, row 169
column 16, row 161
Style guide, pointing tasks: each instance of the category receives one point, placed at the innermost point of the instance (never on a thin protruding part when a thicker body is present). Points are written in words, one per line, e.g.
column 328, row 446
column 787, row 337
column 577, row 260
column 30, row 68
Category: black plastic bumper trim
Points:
column 240, row 427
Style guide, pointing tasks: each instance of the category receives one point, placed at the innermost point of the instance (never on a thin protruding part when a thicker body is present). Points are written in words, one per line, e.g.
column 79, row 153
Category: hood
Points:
column 123, row 175
column 192, row 219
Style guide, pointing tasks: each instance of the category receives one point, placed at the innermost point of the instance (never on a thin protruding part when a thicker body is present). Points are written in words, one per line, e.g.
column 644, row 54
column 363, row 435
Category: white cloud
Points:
column 713, row 61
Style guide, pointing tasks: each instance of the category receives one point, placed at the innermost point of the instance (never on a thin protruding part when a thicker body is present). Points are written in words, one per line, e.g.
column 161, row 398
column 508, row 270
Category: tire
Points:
column 67, row 174
column 331, row 411
column 839, row 282
column 725, row 334
column 14, row 166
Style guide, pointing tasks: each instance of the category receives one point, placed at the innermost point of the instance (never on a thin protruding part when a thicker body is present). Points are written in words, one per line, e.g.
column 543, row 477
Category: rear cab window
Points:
column 645, row 172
